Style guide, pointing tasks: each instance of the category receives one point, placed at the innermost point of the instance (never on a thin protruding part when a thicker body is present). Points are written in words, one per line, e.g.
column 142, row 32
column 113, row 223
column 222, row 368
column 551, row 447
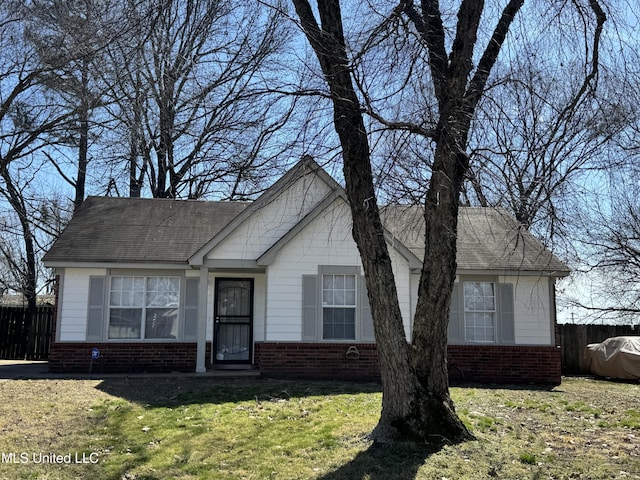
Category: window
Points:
column 338, row 307
column 480, row 312
column 143, row 307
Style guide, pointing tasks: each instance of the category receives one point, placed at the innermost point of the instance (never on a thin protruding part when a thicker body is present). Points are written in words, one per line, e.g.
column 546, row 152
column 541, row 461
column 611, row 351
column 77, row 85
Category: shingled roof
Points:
column 159, row 231
column 489, row 239
column 139, row 230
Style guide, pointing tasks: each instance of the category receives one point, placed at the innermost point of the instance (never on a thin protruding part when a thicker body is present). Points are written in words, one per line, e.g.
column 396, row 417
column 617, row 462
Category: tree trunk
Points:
column 83, row 145
column 410, row 409
column 29, row 274
column 431, row 318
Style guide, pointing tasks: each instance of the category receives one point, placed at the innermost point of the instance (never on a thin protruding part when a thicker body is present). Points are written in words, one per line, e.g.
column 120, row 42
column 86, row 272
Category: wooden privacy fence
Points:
column 15, row 340
column 574, row 338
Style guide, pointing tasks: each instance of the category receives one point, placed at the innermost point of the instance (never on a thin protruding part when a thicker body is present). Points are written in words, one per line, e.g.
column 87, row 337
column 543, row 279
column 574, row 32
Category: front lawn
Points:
column 205, row 428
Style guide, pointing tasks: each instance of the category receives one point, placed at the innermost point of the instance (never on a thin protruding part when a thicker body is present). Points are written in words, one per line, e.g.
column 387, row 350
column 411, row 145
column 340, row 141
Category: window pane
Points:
column 138, row 284
column 116, row 283
column 327, row 297
column 115, row 298
column 131, row 291
column 161, row 323
column 350, row 282
column 480, row 312
column 127, row 283
column 339, row 290
column 125, row 322
column 126, row 291
column 138, row 299
column 338, row 324
column 162, row 291
column 327, row 324
column 350, row 297
column 234, row 298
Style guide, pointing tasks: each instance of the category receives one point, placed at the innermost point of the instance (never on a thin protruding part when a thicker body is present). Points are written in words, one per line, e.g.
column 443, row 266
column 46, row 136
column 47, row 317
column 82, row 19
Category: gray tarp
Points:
column 617, row 357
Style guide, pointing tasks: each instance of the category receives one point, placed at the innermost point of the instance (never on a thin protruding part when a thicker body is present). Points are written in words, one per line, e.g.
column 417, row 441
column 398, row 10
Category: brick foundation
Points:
column 468, row 363
column 317, row 360
column 505, row 364
column 71, row 357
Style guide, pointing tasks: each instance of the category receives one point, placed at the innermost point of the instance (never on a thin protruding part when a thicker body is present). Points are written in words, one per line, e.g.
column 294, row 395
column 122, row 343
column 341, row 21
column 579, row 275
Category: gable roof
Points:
column 306, row 166
column 489, row 239
column 140, row 230
column 181, row 232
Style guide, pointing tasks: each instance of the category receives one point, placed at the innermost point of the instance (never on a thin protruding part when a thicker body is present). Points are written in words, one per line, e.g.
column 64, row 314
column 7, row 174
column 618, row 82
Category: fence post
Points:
column 17, row 341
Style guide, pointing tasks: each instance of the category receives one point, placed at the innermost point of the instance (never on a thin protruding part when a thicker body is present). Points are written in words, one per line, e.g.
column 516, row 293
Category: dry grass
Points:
column 190, row 428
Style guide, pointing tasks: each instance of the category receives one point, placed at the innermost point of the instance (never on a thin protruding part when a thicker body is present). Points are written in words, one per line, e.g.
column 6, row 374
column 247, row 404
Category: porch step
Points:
column 232, row 371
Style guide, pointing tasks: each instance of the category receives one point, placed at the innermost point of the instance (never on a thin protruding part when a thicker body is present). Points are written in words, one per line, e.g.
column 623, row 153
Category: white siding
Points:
column 266, row 226
column 402, row 277
column 532, row 310
column 415, row 282
column 73, row 297
column 326, row 240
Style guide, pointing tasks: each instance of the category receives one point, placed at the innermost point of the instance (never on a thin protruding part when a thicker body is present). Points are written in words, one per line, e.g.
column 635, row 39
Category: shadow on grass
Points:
column 397, row 461
column 537, row 387
column 170, row 391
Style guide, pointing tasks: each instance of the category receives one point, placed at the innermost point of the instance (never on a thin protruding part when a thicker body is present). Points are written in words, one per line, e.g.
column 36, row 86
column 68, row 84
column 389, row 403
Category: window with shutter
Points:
column 339, row 307
column 335, row 306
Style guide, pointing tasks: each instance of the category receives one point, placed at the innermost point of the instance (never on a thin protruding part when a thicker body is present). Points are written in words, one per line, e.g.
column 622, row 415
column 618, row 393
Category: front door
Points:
column 233, row 321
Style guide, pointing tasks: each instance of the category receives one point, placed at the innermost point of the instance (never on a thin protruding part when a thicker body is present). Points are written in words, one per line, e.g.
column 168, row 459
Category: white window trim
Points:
column 338, row 270
column 144, row 274
column 495, row 312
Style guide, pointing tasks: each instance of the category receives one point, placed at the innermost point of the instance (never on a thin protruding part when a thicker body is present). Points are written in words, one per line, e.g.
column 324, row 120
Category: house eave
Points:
column 513, row 272
column 121, row 265
column 243, row 265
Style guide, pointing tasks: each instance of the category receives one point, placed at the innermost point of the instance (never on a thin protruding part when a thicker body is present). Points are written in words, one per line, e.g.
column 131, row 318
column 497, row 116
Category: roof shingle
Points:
column 141, row 230
column 488, row 239
column 135, row 230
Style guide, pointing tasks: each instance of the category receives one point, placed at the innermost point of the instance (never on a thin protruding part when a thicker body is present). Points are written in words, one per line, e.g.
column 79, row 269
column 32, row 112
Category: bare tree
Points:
column 538, row 134
column 534, row 146
column 72, row 39
column 609, row 272
column 65, row 39
column 27, row 118
column 188, row 91
column 416, row 401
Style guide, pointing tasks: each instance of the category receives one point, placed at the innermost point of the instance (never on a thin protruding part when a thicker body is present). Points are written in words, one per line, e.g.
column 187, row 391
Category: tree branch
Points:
column 490, row 55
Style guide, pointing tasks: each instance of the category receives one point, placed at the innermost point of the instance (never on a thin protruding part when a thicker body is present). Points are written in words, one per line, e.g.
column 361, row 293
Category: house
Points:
column 277, row 285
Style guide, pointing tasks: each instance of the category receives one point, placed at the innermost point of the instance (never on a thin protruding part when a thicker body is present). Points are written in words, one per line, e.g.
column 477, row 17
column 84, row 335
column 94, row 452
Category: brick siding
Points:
column 68, row 357
column 467, row 363
column 317, row 360
column 504, row 364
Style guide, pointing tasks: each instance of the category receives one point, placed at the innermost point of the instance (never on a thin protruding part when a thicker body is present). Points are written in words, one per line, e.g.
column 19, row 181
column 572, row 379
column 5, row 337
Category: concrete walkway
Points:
column 22, row 369
column 34, row 370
